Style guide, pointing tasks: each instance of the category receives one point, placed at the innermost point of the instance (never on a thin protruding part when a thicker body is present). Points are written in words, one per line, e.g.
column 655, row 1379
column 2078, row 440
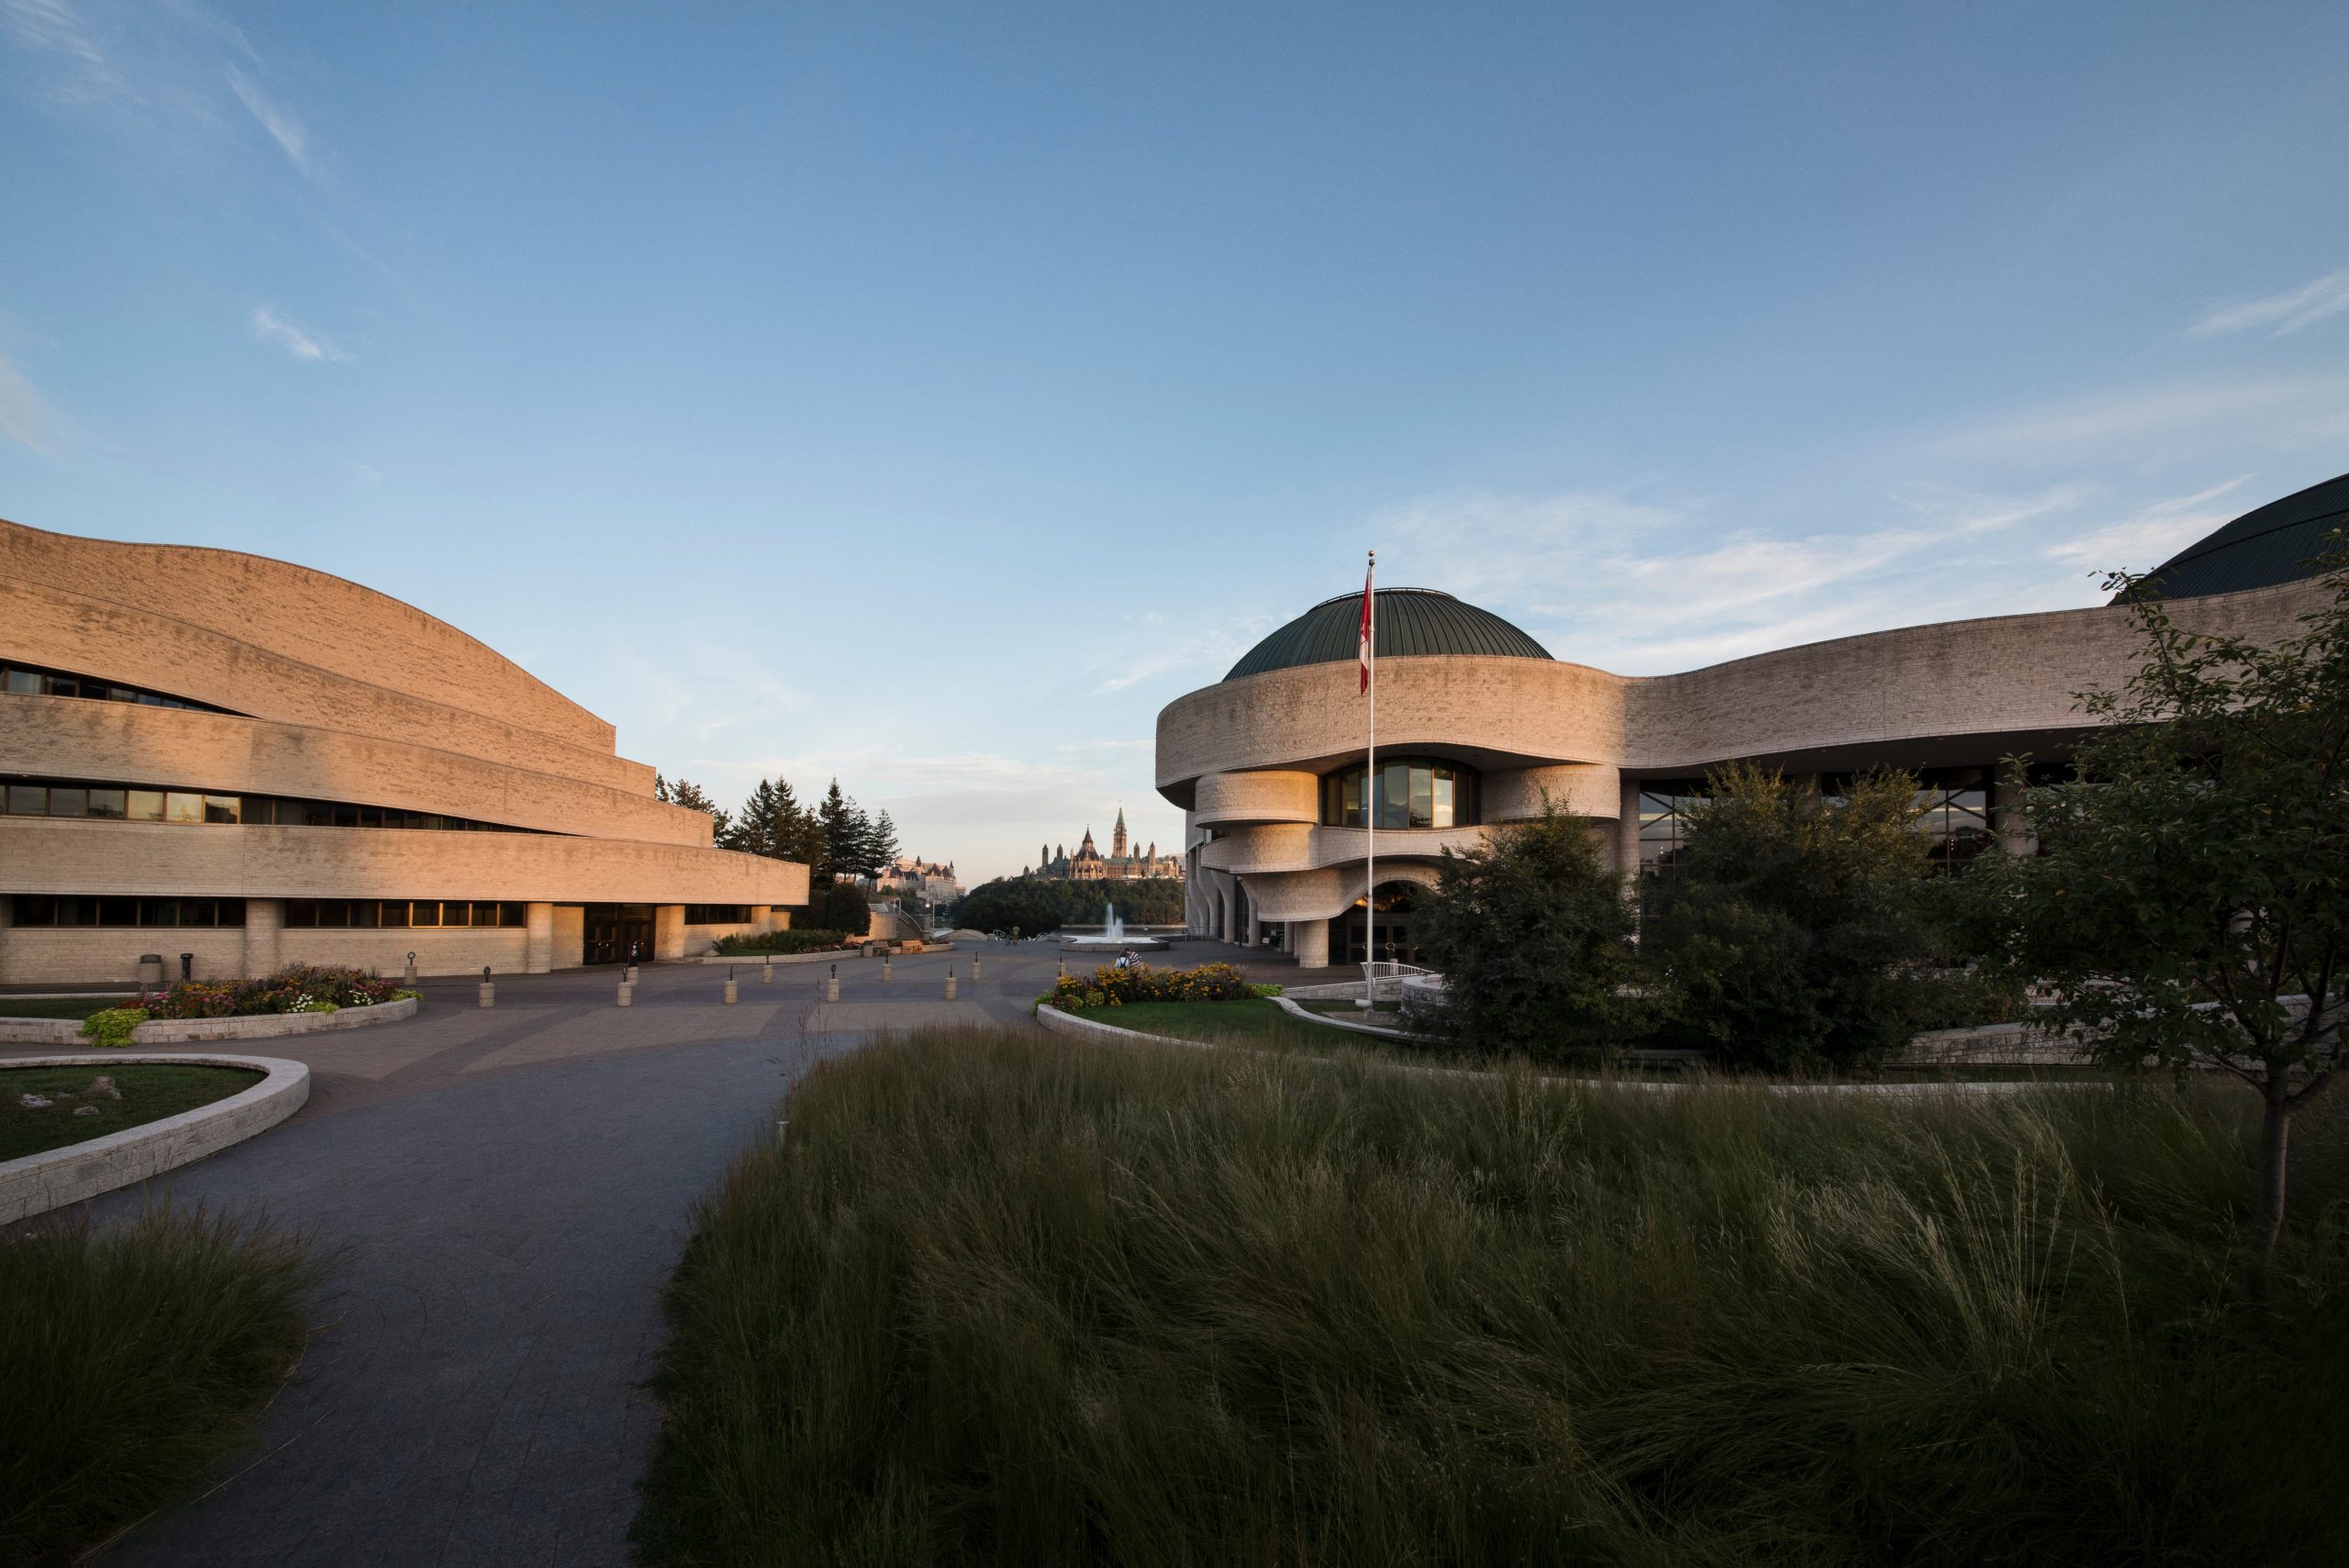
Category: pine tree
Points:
column 836, row 825
column 880, row 845
column 771, row 823
column 692, row 797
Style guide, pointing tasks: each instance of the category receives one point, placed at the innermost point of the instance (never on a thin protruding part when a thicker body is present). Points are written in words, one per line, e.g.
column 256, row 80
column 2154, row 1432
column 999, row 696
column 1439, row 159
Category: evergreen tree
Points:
column 692, row 797
column 771, row 823
column 837, row 849
column 880, row 845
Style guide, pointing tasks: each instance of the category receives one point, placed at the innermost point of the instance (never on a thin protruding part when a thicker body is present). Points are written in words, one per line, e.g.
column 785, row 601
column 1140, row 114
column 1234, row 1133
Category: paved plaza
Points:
column 502, row 1193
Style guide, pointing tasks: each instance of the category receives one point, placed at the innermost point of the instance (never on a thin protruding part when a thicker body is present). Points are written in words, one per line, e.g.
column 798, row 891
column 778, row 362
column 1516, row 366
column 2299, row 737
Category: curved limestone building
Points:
column 1477, row 722
column 234, row 763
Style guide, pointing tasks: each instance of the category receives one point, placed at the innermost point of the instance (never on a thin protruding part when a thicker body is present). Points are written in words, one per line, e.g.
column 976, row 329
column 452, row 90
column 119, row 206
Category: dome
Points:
column 1411, row 622
column 2275, row 544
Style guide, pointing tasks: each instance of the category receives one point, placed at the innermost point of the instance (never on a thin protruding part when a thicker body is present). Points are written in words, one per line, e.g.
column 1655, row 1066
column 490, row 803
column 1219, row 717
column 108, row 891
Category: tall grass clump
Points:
column 131, row 1357
column 997, row 1300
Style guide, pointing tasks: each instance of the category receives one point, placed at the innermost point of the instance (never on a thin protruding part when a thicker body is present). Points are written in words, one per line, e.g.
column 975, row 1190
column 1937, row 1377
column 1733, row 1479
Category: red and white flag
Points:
column 1365, row 651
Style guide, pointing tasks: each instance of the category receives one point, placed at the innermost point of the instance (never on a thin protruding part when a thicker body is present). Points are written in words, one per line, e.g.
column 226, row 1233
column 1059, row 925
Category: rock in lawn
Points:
column 34, row 1102
column 85, row 1110
column 102, row 1088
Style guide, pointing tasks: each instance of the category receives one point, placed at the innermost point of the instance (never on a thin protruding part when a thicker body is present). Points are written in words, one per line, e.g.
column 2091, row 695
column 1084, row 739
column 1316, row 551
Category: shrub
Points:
column 1792, row 934
column 1533, row 937
column 794, row 940
column 299, row 988
column 111, row 1027
column 835, row 906
column 1110, row 986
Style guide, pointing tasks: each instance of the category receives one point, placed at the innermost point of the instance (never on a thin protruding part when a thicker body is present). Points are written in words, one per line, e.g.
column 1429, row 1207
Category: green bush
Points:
column 1790, row 934
column 112, row 1027
column 297, row 988
column 794, row 940
column 835, row 906
column 999, row 1300
column 132, row 1357
column 1110, row 986
column 1533, row 937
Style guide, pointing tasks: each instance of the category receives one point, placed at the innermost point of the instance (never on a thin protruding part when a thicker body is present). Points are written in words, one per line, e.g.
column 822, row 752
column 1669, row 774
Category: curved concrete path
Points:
column 505, row 1191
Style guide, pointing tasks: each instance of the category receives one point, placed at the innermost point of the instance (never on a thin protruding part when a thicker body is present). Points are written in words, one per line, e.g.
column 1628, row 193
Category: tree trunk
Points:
column 2274, row 1145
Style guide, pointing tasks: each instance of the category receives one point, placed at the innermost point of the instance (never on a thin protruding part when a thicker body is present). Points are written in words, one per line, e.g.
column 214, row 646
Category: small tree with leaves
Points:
column 2190, row 906
column 1533, row 937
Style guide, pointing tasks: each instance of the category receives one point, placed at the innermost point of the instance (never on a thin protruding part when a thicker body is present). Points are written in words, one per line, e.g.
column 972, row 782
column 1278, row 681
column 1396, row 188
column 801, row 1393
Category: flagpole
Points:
column 1372, row 799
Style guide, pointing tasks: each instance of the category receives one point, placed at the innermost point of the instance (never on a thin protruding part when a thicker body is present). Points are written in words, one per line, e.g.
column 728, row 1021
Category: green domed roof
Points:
column 2258, row 549
column 1411, row 621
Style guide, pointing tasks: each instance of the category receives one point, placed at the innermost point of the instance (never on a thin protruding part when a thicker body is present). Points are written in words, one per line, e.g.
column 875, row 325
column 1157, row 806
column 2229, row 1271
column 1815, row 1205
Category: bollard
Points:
column 488, row 994
column 631, row 975
column 766, row 972
column 975, row 972
column 411, row 971
column 628, row 994
column 730, row 990
column 832, row 985
column 885, row 966
column 950, row 985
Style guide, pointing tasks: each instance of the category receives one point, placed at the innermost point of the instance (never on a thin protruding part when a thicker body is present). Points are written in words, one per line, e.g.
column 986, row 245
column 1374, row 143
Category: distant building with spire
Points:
column 1124, row 862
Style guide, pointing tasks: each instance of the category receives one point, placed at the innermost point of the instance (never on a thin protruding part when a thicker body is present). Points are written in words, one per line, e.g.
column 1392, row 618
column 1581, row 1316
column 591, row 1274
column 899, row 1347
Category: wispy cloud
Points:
column 282, row 127
column 2281, row 313
column 21, row 413
column 269, row 327
column 52, row 26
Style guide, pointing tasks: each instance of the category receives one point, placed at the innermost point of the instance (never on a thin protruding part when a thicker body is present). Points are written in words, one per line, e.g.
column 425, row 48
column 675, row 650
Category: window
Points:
column 1407, row 793
column 1664, row 804
column 121, row 803
column 400, row 913
column 31, row 681
column 80, row 909
column 1953, row 810
column 717, row 914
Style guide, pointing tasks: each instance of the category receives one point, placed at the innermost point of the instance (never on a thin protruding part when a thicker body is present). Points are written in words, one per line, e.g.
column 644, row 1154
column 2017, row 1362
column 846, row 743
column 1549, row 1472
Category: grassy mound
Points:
column 131, row 1358
column 148, row 1093
column 1019, row 1302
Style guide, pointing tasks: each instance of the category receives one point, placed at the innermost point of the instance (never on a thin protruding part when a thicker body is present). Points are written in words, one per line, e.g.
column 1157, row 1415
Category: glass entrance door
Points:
column 615, row 933
column 1396, row 941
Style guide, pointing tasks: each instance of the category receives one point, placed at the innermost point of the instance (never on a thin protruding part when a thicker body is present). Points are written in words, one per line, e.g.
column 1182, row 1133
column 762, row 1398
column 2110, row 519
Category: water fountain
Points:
column 1112, row 939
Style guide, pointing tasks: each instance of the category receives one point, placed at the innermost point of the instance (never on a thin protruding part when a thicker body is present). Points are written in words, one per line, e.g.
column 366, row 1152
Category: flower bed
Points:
column 1110, row 986
column 302, row 988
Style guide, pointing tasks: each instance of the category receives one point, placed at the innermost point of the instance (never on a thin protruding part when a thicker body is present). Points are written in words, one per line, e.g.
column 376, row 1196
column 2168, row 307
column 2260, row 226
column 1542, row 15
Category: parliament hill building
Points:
column 1089, row 865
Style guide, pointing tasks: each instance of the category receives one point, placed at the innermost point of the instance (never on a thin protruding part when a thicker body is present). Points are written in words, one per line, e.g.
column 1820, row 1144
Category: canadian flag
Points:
column 1363, row 651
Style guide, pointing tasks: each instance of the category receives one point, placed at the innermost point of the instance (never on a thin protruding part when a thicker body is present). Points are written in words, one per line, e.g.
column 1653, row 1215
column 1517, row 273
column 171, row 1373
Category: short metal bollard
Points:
column 766, row 972
column 975, row 972
column 885, row 966
column 950, row 985
column 628, row 994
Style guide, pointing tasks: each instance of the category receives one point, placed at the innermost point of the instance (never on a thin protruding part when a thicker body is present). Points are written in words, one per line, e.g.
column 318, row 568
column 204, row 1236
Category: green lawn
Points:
column 149, row 1093
column 132, row 1358
column 59, row 1007
column 1004, row 1299
column 1257, row 1021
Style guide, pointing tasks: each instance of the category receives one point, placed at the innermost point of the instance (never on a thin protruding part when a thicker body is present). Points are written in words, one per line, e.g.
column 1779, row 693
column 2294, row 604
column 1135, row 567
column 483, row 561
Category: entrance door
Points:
column 615, row 932
column 1396, row 941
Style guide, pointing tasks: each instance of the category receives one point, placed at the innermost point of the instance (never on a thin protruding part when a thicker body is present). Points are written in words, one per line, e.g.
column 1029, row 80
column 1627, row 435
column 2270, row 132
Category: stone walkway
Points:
column 503, row 1193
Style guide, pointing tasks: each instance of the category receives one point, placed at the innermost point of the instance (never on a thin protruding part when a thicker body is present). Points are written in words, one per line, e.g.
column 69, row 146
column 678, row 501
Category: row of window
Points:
column 717, row 914
column 1953, row 809
column 127, row 803
column 31, row 681
column 304, row 914
column 370, row 914
column 1408, row 793
column 82, row 909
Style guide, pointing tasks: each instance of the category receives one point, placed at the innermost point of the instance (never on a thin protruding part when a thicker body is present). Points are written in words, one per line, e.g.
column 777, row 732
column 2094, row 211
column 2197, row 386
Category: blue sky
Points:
column 928, row 394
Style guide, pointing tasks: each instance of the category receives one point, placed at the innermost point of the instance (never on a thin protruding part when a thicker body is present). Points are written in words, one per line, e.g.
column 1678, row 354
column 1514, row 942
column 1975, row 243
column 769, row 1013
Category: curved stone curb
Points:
column 836, row 955
column 168, row 1031
column 1294, row 1011
column 39, row 1183
column 1053, row 1019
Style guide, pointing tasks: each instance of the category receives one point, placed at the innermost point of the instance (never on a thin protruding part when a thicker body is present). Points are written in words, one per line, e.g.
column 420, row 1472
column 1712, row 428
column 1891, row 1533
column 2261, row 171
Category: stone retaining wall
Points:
column 40, row 1182
column 167, row 1032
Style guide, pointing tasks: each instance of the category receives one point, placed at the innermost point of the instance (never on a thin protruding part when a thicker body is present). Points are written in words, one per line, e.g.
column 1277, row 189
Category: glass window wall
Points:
column 1407, row 793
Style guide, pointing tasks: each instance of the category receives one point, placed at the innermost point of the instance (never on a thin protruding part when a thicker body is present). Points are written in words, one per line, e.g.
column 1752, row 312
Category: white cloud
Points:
column 282, row 127
column 272, row 327
column 51, row 25
column 2284, row 313
column 2153, row 534
column 21, row 413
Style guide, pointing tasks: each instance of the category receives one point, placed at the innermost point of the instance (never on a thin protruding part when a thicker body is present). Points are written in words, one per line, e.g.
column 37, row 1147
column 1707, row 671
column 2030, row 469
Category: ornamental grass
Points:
column 1006, row 1300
